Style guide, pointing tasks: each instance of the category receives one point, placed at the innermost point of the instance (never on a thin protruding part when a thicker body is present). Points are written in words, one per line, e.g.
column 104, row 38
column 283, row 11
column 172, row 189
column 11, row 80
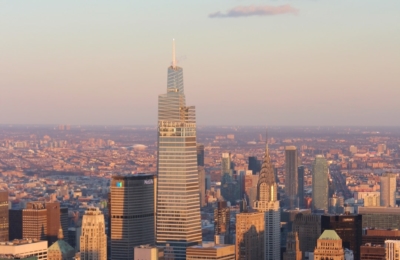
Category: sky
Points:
column 245, row 62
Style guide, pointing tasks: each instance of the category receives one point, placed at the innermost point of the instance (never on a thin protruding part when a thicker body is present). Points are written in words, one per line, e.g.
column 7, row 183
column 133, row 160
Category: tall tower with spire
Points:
column 267, row 202
column 178, row 223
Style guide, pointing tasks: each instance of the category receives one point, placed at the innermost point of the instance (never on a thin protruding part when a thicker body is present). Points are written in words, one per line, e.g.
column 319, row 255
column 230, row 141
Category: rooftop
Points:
column 329, row 235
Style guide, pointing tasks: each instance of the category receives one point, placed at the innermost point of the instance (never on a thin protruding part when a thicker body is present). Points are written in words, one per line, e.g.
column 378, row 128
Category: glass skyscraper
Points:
column 320, row 183
column 178, row 224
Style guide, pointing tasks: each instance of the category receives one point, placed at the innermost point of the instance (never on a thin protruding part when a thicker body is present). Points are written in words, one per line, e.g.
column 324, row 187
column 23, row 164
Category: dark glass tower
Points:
column 132, row 213
column 349, row 229
column 300, row 173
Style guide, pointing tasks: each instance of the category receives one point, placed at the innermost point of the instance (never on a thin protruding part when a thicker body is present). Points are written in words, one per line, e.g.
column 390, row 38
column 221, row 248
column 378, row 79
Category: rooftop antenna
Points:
column 173, row 54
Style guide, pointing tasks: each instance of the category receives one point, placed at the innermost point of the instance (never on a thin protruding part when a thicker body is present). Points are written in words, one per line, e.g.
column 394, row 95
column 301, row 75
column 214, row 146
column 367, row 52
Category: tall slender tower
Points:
column 4, row 217
column 320, row 183
column 267, row 202
column 388, row 190
column 178, row 224
column 291, row 179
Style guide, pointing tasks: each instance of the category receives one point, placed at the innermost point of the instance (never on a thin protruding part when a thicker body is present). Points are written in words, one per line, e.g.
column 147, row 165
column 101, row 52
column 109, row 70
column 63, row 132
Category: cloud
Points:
column 265, row 10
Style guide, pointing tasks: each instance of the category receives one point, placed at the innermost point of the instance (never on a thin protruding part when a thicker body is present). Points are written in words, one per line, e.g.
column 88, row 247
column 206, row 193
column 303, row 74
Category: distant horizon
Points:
column 252, row 62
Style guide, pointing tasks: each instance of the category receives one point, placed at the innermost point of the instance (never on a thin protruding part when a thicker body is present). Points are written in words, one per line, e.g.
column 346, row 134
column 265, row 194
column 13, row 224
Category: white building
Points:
column 93, row 243
column 392, row 248
column 24, row 248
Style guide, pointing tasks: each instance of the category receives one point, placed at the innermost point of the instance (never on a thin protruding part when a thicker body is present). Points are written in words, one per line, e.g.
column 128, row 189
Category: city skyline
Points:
column 92, row 62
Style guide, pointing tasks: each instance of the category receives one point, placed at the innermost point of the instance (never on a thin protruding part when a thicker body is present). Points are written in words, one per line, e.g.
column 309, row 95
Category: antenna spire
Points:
column 173, row 54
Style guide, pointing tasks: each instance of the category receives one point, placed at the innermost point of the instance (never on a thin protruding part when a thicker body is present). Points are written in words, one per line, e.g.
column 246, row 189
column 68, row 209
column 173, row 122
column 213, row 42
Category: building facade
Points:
column 291, row 179
column 148, row 252
column 93, row 242
column 250, row 228
column 392, row 248
column 308, row 228
column 178, row 223
column 211, row 252
column 300, row 173
column 200, row 154
column 380, row 217
column 222, row 218
column 267, row 203
column 349, row 229
column 320, row 180
column 292, row 247
column 388, row 190
column 132, row 213
column 24, row 248
column 329, row 246
column 4, row 219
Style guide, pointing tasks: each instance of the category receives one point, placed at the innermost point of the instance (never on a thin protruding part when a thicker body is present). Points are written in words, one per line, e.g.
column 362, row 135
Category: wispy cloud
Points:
column 265, row 10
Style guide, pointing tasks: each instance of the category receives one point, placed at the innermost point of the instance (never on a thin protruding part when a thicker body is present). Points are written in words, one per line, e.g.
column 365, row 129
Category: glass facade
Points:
column 178, row 223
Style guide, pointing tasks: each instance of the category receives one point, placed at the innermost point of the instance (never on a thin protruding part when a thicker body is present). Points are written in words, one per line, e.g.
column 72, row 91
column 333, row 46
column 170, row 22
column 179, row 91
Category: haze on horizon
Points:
column 247, row 62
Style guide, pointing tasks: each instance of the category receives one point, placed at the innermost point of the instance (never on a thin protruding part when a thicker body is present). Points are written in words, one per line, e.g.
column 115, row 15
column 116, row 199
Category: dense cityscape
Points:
column 181, row 191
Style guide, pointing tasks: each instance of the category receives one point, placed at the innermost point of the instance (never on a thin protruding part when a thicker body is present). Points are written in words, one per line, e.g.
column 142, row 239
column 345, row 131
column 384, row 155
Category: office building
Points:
column 34, row 221
column 132, row 213
column 24, row 249
column 329, row 246
column 249, row 187
column 148, row 252
column 292, row 247
column 380, row 217
column 222, row 218
column 211, row 251
column 15, row 224
column 202, row 185
column 291, row 178
column 53, row 221
column 372, row 252
column 349, row 229
column 60, row 250
column 392, row 248
column 320, row 184
column 226, row 164
column 178, row 203
column 93, row 242
column 378, row 236
column 267, row 203
column 308, row 228
column 254, row 164
column 388, row 190
column 200, row 154
column 4, row 220
column 300, row 175
column 372, row 200
column 250, row 236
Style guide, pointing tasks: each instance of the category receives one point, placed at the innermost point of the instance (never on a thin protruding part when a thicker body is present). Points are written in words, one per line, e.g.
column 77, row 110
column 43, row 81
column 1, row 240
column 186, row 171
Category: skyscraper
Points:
column 250, row 236
column 93, row 244
column 308, row 227
column 254, row 164
column 392, row 248
column 4, row 220
column 300, row 173
column 178, row 203
column 349, row 229
column 132, row 213
column 222, row 218
column 267, row 202
column 329, row 246
column 202, row 185
column 291, row 179
column 292, row 247
column 226, row 164
column 320, row 183
column 34, row 221
column 200, row 154
column 388, row 190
